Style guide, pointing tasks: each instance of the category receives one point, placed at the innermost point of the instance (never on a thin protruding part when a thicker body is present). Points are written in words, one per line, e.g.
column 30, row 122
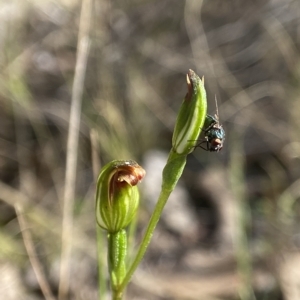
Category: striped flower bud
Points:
column 191, row 115
column 117, row 196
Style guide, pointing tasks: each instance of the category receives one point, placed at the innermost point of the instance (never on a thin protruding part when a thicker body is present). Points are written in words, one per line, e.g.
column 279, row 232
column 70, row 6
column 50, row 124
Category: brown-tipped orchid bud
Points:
column 117, row 196
column 191, row 115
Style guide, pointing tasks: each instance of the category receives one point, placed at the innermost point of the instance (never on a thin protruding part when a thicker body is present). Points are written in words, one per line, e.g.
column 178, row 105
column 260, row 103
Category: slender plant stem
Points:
column 171, row 175
column 117, row 295
column 117, row 251
column 33, row 257
column 243, row 255
column 101, row 247
column 147, row 237
column 101, row 263
column 72, row 145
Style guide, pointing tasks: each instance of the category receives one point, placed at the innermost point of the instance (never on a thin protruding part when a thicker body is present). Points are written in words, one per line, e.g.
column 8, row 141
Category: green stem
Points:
column 101, row 263
column 171, row 174
column 117, row 250
column 116, row 295
column 243, row 255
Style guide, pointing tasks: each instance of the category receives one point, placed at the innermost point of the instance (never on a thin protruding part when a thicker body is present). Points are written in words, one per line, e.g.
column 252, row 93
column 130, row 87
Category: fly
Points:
column 214, row 134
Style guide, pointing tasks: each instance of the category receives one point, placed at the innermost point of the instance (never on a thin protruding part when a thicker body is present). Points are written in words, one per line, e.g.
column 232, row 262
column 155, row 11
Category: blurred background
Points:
column 231, row 229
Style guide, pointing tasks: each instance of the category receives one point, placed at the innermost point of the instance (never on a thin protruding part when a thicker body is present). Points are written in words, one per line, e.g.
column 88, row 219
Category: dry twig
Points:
column 72, row 145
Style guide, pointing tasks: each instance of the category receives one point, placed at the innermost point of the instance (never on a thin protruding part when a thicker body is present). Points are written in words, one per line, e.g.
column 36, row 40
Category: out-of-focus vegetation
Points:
column 244, row 238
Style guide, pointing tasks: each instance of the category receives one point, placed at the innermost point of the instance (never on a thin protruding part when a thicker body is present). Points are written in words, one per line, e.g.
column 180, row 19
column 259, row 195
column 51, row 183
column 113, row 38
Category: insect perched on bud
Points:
column 214, row 134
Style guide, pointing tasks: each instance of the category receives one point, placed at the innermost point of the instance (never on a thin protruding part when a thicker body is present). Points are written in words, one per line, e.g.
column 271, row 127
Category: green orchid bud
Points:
column 191, row 116
column 117, row 196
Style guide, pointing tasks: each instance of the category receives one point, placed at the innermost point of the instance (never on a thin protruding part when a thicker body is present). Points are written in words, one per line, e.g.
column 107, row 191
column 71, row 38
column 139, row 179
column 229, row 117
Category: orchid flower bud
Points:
column 191, row 116
column 117, row 196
